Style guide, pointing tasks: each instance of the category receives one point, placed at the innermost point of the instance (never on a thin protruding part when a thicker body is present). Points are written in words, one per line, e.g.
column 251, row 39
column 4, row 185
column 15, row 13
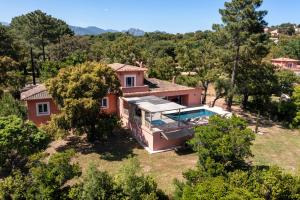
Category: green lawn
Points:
column 278, row 146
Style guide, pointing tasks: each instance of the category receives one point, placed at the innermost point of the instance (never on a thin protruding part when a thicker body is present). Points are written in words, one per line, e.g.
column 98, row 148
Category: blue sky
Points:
column 150, row 15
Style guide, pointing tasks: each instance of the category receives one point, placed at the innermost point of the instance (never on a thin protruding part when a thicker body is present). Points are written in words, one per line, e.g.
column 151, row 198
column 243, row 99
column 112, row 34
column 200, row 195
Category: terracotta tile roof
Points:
column 285, row 60
column 157, row 85
column 124, row 67
column 36, row 92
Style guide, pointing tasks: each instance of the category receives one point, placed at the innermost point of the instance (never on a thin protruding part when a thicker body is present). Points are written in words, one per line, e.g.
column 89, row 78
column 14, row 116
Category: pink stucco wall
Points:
column 160, row 143
column 139, row 77
column 192, row 97
column 143, row 88
column 285, row 63
column 153, row 140
column 32, row 111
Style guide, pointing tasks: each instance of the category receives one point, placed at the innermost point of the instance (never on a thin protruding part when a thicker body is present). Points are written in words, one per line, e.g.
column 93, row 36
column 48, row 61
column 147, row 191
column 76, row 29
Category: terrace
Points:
column 160, row 124
column 148, row 113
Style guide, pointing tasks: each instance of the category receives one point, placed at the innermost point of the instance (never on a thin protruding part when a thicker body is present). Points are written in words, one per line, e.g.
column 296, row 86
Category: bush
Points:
column 19, row 139
column 127, row 184
column 43, row 180
column 256, row 183
column 223, row 144
column 10, row 106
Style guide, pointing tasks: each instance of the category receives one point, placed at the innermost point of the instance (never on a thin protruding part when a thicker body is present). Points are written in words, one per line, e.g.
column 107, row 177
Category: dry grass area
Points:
column 110, row 155
column 274, row 144
column 278, row 146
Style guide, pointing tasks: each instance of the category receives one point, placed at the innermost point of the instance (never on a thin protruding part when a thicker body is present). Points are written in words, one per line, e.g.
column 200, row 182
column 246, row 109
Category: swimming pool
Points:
column 158, row 122
column 191, row 114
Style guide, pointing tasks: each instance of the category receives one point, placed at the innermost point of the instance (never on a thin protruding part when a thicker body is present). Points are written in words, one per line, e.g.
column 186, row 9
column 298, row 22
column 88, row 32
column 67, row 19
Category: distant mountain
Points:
column 135, row 32
column 90, row 30
column 4, row 23
column 93, row 30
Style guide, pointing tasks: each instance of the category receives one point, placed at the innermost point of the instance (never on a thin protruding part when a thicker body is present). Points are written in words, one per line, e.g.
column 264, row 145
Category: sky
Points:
column 173, row 16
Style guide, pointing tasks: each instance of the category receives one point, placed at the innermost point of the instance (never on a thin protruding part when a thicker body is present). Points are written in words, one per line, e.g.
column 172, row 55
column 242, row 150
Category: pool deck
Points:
column 215, row 109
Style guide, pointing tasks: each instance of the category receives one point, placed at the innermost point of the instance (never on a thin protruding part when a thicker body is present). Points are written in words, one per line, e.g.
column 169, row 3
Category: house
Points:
column 40, row 104
column 149, row 107
column 287, row 63
column 274, row 33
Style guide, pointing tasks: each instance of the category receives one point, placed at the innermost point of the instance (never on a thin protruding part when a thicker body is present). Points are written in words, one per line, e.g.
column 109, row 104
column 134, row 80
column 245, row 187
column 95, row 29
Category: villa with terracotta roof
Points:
column 160, row 114
column 287, row 63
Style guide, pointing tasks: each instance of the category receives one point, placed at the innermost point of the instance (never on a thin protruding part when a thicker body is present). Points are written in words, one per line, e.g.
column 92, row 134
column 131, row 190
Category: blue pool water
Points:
column 191, row 114
column 157, row 122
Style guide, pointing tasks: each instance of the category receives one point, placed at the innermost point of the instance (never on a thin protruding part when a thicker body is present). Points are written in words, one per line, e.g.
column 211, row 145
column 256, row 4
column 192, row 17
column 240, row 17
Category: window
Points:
column 129, row 81
column 104, row 102
column 290, row 65
column 42, row 109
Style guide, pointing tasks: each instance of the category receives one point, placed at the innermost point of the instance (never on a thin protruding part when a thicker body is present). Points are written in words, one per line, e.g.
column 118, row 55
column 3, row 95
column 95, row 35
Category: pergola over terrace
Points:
column 149, row 110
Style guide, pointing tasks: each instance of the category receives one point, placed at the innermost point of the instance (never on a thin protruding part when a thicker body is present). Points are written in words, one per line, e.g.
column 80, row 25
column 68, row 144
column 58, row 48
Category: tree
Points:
column 296, row 102
column 255, row 183
column 257, row 80
column 290, row 47
column 44, row 180
column 201, row 57
column 39, row 29
column 96, row 185
column 164, row 68
column 19, row 139
column 244, row 27
column 223, row 144
column 10, row 106
column 66, row 46
column 128, row 183
column 286, row 80
column 222, row 87
column 78, row 91
column 10, row 76
column 6, row 43
column 287, row 28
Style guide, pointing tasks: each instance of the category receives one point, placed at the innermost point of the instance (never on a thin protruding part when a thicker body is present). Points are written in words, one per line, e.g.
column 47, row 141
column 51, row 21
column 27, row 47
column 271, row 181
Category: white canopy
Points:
column 154, row 104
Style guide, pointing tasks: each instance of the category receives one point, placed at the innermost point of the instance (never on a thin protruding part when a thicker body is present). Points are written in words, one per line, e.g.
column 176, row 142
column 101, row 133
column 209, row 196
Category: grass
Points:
column 278, row 146
column 110, row 155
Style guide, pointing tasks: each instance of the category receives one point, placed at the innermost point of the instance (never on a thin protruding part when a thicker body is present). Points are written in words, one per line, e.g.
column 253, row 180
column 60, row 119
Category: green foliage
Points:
column 296, row 101
column 43, row 180
column 287, row 47
column 292, row 48
column 255, row 183
column 11, row 106
column 201, row 57
column 57, row 127
column 286, row 80
column 286, row 28
column 223, row 144
column 6, row 43
column 191, row 81
column 127, row 184
column 96, row 185
column 246, row 44
column 38, row 29
column 136, row 186
column 10, row 76
column 19, row 139
column 78, row 91
column 165, row 68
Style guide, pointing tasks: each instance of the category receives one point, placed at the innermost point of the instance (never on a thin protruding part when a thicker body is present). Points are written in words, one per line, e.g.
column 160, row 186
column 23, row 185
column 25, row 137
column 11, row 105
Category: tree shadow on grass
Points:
column 116, row 148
